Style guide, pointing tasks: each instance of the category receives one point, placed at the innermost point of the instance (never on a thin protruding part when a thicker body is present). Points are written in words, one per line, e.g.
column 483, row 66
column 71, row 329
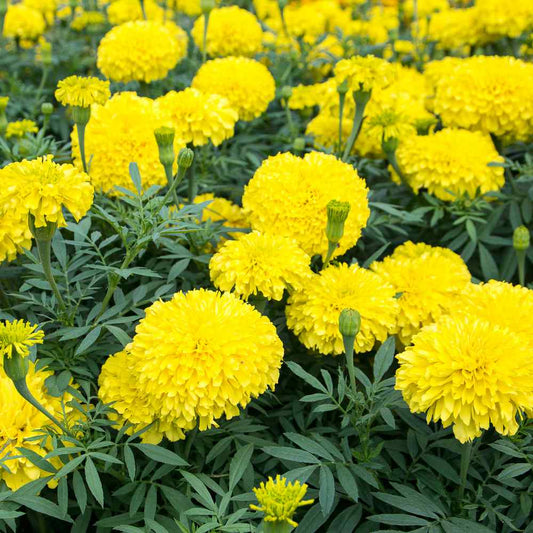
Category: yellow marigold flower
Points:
column 46, row 7
column 15, row 235
column 231, row 31
column 451, row 163
column 117, row 133
column 305, row 96
column 20, row 128
column 19, row 423
column 82, row 91
column 313, row 312
column 42, row 188
column 288, row 196
column 141, row 50
column 259, row 263
column 364, row 73
column 223, row 209
column 455, row 28
column 390, row 124
column 23, row 22
column 191, row 8
column 88, row 19
column 505, row 20
column 468, row 373
column 198, row 117
column 425, row 8
column 279, row 499
column 245, row 83
column 489, row 94
column 18, row 336
column 189, row 363
column 428, row 279
column 123, row 11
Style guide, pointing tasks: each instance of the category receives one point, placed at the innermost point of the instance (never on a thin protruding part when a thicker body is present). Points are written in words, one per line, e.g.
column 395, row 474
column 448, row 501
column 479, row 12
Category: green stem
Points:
column 143, row 10
column 521, row 260
column 391, row 157
column 81, row 140
column 277, row 527
column 204, row 41
column 173, row 184
column 342, row 99
column 191, row 437
column 466, row 455
column 191, row 186
column 289, row 118
column 361, row 99
column 44, row 77
column 332, row 246
column 44, row 249
column 349, row 342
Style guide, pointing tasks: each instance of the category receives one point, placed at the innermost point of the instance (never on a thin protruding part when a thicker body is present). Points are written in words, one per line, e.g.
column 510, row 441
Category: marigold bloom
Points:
column 42, row 188
column 279, row 499
column 245, row 83
column 451, row 163
column 288, row 196
column 231, row 31
column 428, row 279
column 189, row 363
column 15, row 235
column 82, row 91
column 505, row 20
column 18, row 336
column 364, row 73
column 23, row 22
column 19, row 128
column 141, row 50
column 88, row 19
column 468, row 373
column 123, row 11
column 223, row 209
column 313, row 312
column 456, row 28
column 260, row 263
column 198, row 117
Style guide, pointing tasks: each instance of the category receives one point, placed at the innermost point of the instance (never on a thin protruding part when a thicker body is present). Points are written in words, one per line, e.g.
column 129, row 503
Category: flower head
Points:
column 42, row 188
column 15, row 235
column 468, row 373
column 121, row 11
column 262, row 263
column 364, row 73
column 82, row 92
column 288, row 196
column 279, row 499
column 245, row 83
column 141, row 50
column 428, row 279
column 18, row 336
column 23, row 22
column 88, row 20
column 313, row 312
column 231, row 31
column 20, row 128
column 190, row 363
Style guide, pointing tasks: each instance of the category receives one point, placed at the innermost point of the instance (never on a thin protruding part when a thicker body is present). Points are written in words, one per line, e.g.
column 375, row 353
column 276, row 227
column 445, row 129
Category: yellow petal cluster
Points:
column 43, row 188
column 468, row 373
column 260, row 263
column 451, row 163
column 82, row 91
column 194, row 359
column 288, row 196
column 428, row 279
column 231, row 31
column 244, row 82
column 198, row 117
column 19, row 128
column 491, row 94
column 23, row 22
column 87, row 19
column 15, row 235
column 364, row 73
column 141, row 50
column 313, row 312
column 123, row 11
column 223, row 209
column 505, row 20
column 279, row 499
column 18, row 336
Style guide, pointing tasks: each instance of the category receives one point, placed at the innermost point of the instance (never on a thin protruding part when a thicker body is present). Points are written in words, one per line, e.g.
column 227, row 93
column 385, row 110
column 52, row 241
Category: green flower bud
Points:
column 349, row 323
column 47, row 108
column 81, row 115
column 390, row 145
column 165, row 142
column 286, row 92
column 42, row 233
column 337, row 215
column 207, row 6
column 521, row 239
column 343, row 87
column 299, row 144
column 185, row 158
column 16, row 367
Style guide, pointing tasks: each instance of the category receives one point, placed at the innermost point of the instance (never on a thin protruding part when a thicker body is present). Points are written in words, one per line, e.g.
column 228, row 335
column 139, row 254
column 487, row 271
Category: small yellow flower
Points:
column 82, row 92
column 364, row 73
column 279, row 500
column 18, row 336
column 20, row 128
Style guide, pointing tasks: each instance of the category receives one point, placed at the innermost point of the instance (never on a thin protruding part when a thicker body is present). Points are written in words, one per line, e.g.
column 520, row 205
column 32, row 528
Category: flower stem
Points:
column 277, row 527
column 332, row 246
column 361, row 99
column 81, row 139
column 342, row 99
column 143, row 10
column 349, row 342
column 466, row 455
column 204, row 41
column 521, row 260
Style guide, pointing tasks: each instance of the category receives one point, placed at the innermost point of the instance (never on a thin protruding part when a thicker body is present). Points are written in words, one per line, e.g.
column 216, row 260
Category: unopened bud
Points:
column 207, row 6
column 521, row 239
column 16, row 367
column 299, row 144
column 165, row 142
column 337, row 215
column 81, row 115
column 343, row 87
column 47, row 108
column 349, row 322
column 390, row 145
column 185, row 158
column 45, row 53
column 286, row 92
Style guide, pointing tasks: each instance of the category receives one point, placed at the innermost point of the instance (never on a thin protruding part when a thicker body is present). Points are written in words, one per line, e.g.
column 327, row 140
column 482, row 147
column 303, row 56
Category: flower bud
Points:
column 337, row 215
column 342, row 88
column 521, row 239
column 45, row 53
column 286, row 92
column 299, row 144
column 81, row 115
column 16, row 367
column 47, row 108
column 390, row 145
column 207, row 6
column 349, row 322
column 185, row 158
column 165, row 142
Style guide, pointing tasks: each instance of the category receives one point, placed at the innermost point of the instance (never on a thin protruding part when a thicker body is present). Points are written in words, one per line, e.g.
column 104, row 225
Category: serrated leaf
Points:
column 348, row 482
column 93, row 481
column 161, row 455
column 238, row 464
column 326, row 493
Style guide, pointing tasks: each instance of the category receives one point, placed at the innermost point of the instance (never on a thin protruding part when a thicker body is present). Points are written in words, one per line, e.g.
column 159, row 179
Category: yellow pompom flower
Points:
column 260, row 263
column 505, row 20
column 313, row 312
column 123, row 11
column 279, row 500
column 364, row 73
column 18, row 336
column 288, row 196
column 141, row 50
column 15, row 235
column 451, row 163
column 82, row 91
column 428, row 279
column 488, row 94
column 119, row 132
column 231, row 31
column 46, row 7
column 197, row 117
column 88, row 19
column 43, row 188
column 306, row 96
column 453, row 29
column 192, row 8
column 23, row 22
column 221, row 209
column 190, row 364
column 468, row 373
column 245, row 83
column 19, row 128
